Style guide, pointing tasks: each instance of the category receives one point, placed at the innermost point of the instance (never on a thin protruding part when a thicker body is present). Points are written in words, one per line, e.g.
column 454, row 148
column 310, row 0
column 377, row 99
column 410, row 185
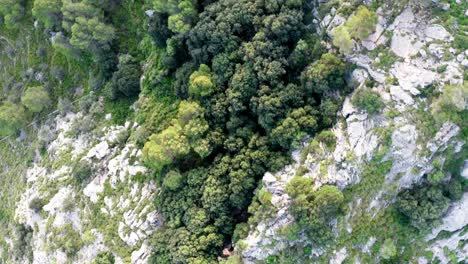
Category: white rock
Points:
column 99, row 151
column 399, row 95
column 437, row 32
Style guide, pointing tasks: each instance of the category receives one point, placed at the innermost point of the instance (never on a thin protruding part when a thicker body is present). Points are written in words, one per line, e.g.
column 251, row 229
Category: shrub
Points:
column 368, row 100
column 36, row 204
column 104, row 258
column 81, row 171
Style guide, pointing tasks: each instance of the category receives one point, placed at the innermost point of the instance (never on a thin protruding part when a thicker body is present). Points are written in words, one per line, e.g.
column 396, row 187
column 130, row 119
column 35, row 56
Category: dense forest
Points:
column 223, row 91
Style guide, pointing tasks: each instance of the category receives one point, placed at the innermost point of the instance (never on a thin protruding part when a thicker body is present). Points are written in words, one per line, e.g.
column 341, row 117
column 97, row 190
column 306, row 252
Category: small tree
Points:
column 342, row 39
column 201, row 83
column 173, row 180
column 362, row 23
column 12, row 118
column 35, row 99
column 125, row 81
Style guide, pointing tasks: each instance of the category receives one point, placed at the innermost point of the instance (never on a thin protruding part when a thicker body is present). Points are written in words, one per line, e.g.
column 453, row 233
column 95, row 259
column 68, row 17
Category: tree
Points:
column 12, row 118
column 173, row 180
column 35, row 99
column 388, row 249
column 125, row 82
column 182, row 13
column 328, row 200
column 325, row 75
column 91, row 34
column 342, row 39
column 362, row 23
column 201, row 83
column 48, row 12
column 11, row 11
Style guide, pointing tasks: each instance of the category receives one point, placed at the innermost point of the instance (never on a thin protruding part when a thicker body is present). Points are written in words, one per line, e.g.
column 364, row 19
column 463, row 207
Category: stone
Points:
column 464, row 171
column 99, row 151
column 401, row 96
column 437, row 32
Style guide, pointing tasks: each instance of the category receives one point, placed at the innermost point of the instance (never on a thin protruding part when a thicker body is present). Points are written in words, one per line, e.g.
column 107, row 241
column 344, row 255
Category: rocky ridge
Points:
column 419, row 46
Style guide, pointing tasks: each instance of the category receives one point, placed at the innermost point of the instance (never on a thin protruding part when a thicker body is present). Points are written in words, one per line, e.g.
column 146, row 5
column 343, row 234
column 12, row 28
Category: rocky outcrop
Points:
column 415, row 41
column 112, row 193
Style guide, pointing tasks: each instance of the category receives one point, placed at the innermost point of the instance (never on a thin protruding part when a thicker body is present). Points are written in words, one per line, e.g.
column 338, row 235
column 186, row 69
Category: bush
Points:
column 368, row 100
column 36, row 204
column 104, row 258
column 82, row 171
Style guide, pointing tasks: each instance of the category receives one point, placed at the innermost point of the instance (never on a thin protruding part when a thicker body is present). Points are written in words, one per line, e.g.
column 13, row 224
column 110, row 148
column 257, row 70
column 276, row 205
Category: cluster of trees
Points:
column 252, row 82
column 359, row 26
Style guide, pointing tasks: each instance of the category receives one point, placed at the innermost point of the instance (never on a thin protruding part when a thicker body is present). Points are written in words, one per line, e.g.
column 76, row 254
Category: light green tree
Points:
column 362, row 23
column 342, row 39
column 201, row 83
column 388, row 249
column 12, row 118
column 35, row 99
column 182, row 13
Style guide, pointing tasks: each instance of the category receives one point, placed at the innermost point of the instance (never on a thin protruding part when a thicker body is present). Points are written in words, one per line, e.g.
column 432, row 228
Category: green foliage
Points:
column 104, row 258
column 314, row 209
column 185, row 134
column 12, row 118
column 388, row 249
column 173, row 180
column 12, row 12
column 125, row 82
column 450, row 103
column 423, row 206
column 368, row 100
column 48, row 12
column 359, row 26
column 182, row 13
column 22, row 243
column 82, row 171
column 91, row 34
column 201, row 83
column 36, row 204
column 328, row 138
column 240, row 232
column 342, row 39
column 68, row 239
column 362, row 23
column 35, row 99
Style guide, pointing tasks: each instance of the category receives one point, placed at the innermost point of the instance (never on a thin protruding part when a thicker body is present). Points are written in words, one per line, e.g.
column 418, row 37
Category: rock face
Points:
column 113, row 210
column 360, row 136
